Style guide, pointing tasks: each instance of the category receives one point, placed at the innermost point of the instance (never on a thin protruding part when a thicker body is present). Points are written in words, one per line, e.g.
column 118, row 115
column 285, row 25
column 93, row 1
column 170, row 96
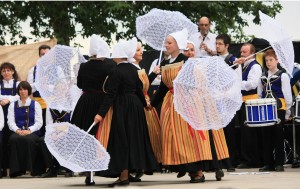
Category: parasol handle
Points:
column 91, row 177
column 90, row 128
column 161, row 50
column 162, row 46
column 234, row 64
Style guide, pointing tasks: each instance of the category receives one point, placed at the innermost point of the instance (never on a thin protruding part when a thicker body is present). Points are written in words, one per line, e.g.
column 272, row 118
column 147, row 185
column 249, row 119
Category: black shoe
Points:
column 51, row 172
column 266, row 168
column 119, row 183
column 197, row 180
column 139, row 175
column 279, row 168
column 231, row 169
column 180, row 174
column 219, row 175
column 16, row 174
column 88, row 181
column 4, row 173
column 133, row 179
column 243, row 166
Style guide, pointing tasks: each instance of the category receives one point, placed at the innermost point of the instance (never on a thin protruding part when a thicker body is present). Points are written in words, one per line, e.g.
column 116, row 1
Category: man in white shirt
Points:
column 205, row 41
column 251, row 73
column 31, row 77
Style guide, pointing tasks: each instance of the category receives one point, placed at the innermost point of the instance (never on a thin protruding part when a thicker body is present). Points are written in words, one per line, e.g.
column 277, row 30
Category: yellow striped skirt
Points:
column 183, row 145
column 154, row 133
column 103, row 131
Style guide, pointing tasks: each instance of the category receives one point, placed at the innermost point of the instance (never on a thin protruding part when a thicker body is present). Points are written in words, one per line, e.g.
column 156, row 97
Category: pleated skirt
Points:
column 24, row 154
column 86, row 109
column 185, row 149
column 129, row 144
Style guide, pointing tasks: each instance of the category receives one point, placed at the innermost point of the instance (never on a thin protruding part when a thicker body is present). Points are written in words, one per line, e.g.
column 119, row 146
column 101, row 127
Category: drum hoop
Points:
column 260, row 102
column 262, row 124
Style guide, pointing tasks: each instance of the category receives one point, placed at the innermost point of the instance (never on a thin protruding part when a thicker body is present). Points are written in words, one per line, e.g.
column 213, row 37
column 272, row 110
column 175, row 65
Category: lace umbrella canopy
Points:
column 75, row 149
column 57, row 75
column 154, row 26
column 280, row 41
column 207, row 93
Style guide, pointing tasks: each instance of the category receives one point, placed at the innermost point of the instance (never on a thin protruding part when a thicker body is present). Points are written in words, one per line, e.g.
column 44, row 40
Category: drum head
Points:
column 261, row 101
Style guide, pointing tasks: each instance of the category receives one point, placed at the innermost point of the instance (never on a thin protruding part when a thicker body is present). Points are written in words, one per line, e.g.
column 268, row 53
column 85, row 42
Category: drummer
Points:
column 273, row 136
column 251, row 73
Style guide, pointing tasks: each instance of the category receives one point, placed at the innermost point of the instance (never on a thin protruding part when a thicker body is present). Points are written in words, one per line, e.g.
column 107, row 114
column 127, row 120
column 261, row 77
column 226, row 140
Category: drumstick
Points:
column 234, row 64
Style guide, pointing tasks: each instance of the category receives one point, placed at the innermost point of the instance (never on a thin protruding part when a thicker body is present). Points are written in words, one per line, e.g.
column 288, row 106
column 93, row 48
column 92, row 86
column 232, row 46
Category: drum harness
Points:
column 269, row 93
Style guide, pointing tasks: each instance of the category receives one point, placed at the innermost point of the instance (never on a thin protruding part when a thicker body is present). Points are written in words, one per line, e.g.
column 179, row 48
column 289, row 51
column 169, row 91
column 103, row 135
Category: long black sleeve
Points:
column 159, row 95
column 112, row 90
column 79, row 77
column 140, row 94
column 151, row 77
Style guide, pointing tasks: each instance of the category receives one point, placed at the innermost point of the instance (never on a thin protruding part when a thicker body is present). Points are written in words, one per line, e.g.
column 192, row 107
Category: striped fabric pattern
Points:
column 181, row 144
column 103, row 131
column 152, row 118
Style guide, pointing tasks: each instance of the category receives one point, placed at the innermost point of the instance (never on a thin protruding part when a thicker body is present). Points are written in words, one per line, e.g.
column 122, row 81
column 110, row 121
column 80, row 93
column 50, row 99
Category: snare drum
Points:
column 261, row 112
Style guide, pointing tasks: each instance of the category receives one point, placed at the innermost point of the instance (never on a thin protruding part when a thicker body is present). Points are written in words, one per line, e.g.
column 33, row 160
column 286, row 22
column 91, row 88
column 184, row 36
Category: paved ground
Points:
column 241, row 179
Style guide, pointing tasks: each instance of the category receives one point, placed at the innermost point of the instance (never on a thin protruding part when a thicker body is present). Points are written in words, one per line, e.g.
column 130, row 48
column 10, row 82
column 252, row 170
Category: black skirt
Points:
column 24, row 154
column 86, row 109
column 129, row 143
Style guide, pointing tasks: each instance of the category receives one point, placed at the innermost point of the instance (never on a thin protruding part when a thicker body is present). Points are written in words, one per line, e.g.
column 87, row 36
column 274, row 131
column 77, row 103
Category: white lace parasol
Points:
column 56, row 77
column 280, row 40
column 207, row 93
column 75, row 149
column 154, row 26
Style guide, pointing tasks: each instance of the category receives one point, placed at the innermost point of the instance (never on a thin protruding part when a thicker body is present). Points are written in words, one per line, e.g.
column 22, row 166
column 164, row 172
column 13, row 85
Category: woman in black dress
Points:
column 8, row 94
column 129, row 143
column 90, row 79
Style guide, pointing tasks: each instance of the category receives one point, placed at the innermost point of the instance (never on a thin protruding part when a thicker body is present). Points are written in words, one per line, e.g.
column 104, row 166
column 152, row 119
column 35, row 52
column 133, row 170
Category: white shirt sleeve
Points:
column 152, row 66
column 259, row 90
column 38, row 118
column 49, row 118
column 1, row 118
column 11, row 118
column 253, row 78
column 30, row 79
column 157, row 80
column 287, row 93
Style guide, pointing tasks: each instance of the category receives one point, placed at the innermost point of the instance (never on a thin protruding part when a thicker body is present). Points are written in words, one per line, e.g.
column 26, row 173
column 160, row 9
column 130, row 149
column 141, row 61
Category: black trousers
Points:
column 232, row 133
column 273, row 139
column 43, row 128
column 250, row 141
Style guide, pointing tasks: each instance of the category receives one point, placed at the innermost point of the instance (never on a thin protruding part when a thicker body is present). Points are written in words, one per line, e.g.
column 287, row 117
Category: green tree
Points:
column 59, row 18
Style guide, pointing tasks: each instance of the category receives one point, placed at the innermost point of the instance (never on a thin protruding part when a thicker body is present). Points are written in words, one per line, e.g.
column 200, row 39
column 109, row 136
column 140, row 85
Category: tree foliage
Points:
column 59, row 18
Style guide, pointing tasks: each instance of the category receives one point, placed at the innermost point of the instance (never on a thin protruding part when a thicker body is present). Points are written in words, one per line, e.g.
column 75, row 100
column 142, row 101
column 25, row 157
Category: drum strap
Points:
column 280, row 101
column 41, row 101
column 283, row 104
column 250, row 97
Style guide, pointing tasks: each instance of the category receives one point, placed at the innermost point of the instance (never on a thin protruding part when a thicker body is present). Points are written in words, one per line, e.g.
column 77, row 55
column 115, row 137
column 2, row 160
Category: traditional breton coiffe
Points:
column 99, row 47
column 181, row 38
